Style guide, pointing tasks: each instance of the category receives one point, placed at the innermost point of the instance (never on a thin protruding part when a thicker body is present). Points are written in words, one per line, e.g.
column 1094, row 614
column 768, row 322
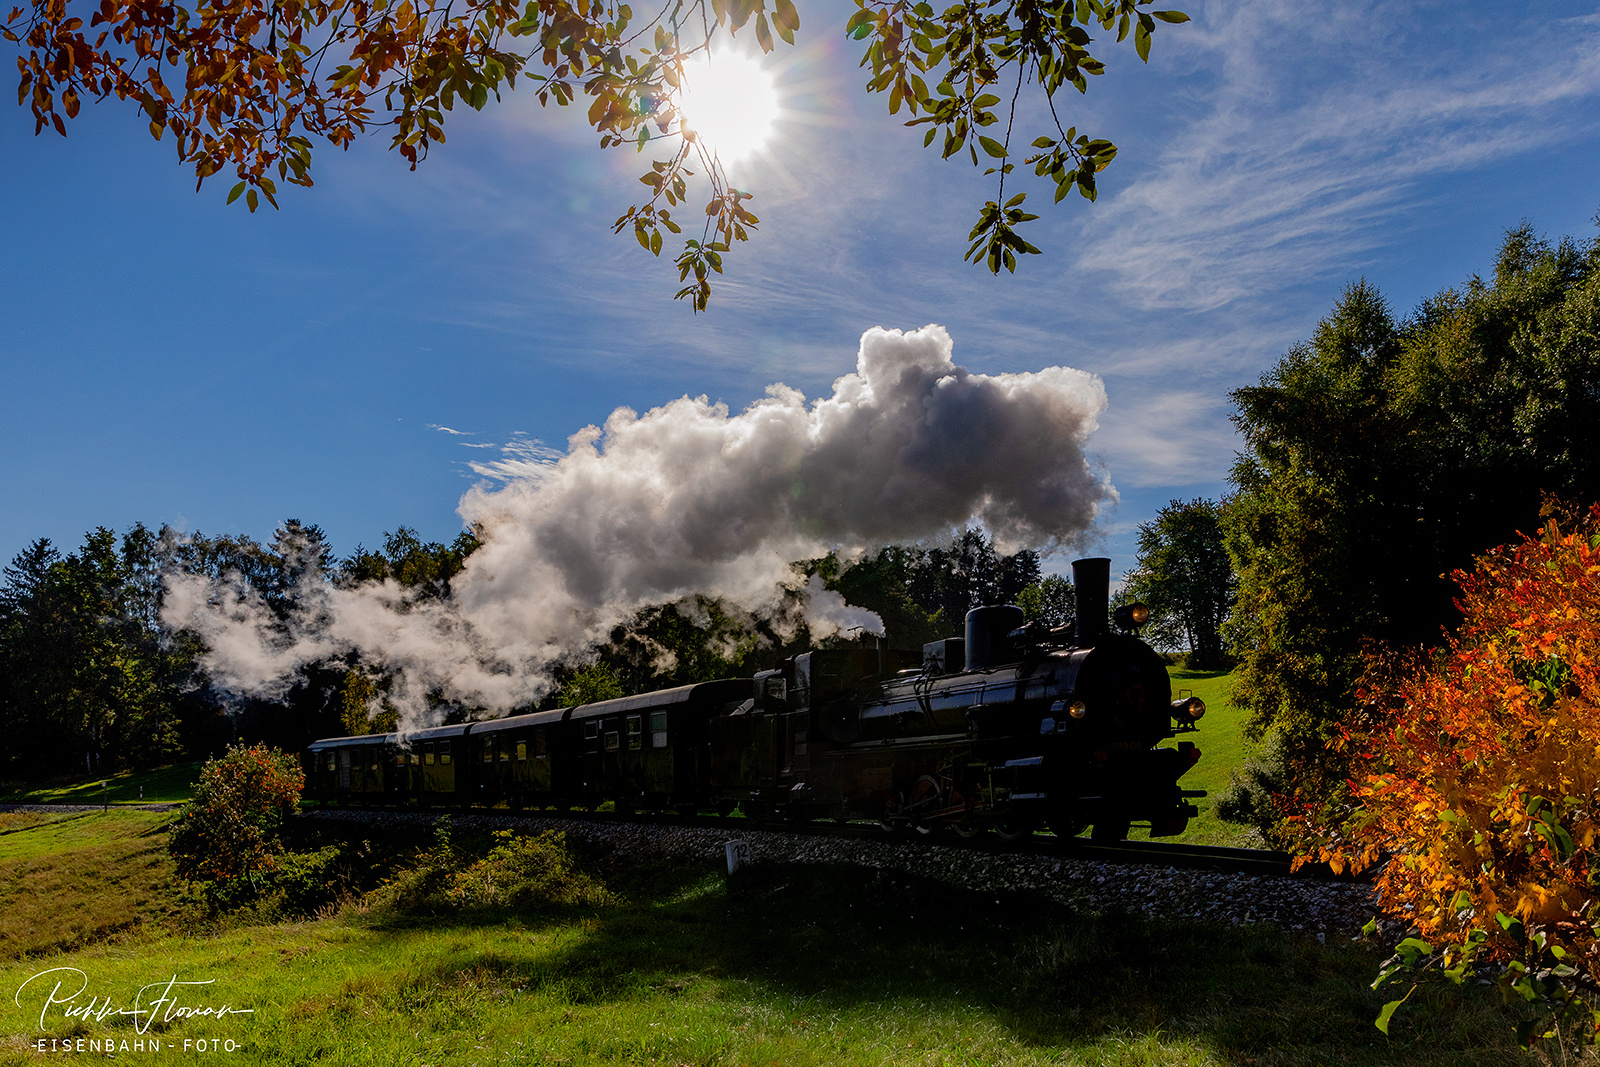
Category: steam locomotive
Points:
column 1011, row 727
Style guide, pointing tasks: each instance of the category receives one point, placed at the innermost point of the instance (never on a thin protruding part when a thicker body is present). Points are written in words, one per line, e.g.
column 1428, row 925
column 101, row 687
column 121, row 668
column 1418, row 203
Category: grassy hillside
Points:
column 788, row 965
column 174, row 784
column 75, row 879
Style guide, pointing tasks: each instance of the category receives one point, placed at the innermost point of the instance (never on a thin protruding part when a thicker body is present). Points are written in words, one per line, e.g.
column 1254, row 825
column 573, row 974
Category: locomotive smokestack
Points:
column 1091, row 581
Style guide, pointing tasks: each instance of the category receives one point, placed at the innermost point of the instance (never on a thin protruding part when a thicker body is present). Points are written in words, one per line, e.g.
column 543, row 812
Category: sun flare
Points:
column 730, row 102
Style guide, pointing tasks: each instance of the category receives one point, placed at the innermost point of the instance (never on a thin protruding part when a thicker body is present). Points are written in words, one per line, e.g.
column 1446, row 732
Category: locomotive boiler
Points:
column 1009, row 727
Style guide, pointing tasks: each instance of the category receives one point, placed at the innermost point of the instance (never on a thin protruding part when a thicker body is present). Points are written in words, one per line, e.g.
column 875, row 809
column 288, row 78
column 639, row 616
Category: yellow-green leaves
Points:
column 995, row 235
column 969, row 49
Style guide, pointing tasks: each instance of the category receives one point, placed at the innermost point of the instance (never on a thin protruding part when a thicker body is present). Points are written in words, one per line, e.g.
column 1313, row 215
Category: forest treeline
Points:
column 92, row 680
column 1380, row 456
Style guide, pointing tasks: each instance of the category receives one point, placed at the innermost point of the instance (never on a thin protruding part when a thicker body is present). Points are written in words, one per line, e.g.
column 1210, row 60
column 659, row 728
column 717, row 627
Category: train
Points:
column 1010, row 728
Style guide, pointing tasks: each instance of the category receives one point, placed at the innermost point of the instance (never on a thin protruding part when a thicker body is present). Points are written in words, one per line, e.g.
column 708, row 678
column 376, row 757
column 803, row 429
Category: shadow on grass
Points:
column 1186, row 675
column 172, row 784
column 852, row 939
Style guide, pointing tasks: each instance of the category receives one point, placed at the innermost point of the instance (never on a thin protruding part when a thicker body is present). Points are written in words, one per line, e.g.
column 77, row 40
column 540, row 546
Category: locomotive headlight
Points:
column 1189, row 709
column 1078, row 709
column 1130, row 617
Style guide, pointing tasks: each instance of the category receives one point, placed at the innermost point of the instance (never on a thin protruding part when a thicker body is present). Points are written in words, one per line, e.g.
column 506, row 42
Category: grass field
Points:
column 71, row 880
column 1223, row 747
column 792, row 966
column 174, row 784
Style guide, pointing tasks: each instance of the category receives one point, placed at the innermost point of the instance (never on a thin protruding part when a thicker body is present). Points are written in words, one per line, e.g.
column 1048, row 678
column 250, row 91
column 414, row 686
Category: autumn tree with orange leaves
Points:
column 1477, row 775
column 230, row 836
column 250, row 86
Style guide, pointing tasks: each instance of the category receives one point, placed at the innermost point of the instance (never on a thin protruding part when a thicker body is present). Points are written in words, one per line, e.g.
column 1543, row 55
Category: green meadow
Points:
column 166, row 785
column 669, row 963
column 1223, row 747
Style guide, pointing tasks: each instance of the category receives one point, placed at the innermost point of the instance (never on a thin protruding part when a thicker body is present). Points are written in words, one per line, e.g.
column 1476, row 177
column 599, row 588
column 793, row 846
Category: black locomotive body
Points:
column 1008, row 727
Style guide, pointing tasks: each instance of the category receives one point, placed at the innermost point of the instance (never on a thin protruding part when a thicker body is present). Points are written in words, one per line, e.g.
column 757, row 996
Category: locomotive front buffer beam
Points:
column 1120, row 789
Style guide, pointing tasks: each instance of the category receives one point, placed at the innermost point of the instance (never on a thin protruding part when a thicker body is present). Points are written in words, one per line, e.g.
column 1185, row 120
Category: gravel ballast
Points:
column 1319, row 909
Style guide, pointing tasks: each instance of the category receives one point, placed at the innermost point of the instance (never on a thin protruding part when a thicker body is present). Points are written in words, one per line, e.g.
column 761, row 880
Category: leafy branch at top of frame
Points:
column 627, row 115
column 966, row 51
column 254, row 93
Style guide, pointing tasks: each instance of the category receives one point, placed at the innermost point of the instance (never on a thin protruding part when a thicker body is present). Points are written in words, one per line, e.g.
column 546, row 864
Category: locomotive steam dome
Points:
column 989, row 635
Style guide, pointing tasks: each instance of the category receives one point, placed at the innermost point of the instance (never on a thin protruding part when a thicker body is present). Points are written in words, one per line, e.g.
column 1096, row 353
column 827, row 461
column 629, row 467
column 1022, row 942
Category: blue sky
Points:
column 170, row 359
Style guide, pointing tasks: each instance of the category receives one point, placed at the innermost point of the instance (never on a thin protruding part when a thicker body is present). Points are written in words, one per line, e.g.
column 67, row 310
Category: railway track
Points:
column 1162, row 853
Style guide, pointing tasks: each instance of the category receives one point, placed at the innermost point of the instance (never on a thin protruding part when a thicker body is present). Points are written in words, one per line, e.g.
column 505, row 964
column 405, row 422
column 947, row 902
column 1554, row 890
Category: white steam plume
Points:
column 690, row 499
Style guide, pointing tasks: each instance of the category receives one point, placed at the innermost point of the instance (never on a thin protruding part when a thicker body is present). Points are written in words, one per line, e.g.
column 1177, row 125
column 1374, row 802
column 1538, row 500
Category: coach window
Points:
column 444, row 752
column 400, row 758
column 505, row 753
column 591, row 735
column 522, row 751
column 635, row 733
column 331, row 764
column 613, row 740
column 427, row 753
column 540, row 745
column 377, row 759
column 416, row 757
column 488, row 750
column 658, row 729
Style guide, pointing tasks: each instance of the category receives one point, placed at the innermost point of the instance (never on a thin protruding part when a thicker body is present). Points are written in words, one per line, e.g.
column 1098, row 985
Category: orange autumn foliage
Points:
column 1478, row 770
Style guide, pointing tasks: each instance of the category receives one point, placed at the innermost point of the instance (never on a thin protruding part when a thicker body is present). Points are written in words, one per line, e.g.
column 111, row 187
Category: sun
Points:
column 730, row 102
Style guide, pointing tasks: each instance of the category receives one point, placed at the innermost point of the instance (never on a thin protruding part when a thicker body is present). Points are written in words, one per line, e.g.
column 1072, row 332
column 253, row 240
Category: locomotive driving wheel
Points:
column 925, row 797
column 1014, row 828
column 1109, row 831
column 1067, row 824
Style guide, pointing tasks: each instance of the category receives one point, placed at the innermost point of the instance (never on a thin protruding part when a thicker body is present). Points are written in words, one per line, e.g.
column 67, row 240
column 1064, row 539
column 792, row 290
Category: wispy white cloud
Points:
column 1168, row 438
column 1319, row 134
column 522, row 458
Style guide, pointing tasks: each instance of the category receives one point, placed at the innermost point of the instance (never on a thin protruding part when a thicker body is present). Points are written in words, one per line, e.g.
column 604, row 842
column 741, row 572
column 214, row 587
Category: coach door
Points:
column 593, row 757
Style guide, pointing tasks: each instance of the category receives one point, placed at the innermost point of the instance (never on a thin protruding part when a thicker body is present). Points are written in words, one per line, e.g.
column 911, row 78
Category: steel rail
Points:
column 1162, row 853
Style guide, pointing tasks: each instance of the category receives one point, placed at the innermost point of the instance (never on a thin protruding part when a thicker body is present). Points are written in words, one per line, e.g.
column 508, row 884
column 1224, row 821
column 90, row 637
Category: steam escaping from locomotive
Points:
column 684, row 499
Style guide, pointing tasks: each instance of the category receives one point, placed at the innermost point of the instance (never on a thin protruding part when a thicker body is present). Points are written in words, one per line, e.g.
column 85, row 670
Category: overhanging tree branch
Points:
column 254, row 96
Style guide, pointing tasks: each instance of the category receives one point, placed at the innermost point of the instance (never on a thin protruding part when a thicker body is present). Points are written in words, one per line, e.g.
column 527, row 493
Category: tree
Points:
column 923, row 594
column 592, row 683
column 86, row 678
column 1051, row 601
column 231, row 834
column 1478, row 770
column 261, row 82
column 1184, row 576
column 357, row 696
column 692, row 640
column 428, row 567
column 1380, row 456
column 949, row 582
column 881, row 583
